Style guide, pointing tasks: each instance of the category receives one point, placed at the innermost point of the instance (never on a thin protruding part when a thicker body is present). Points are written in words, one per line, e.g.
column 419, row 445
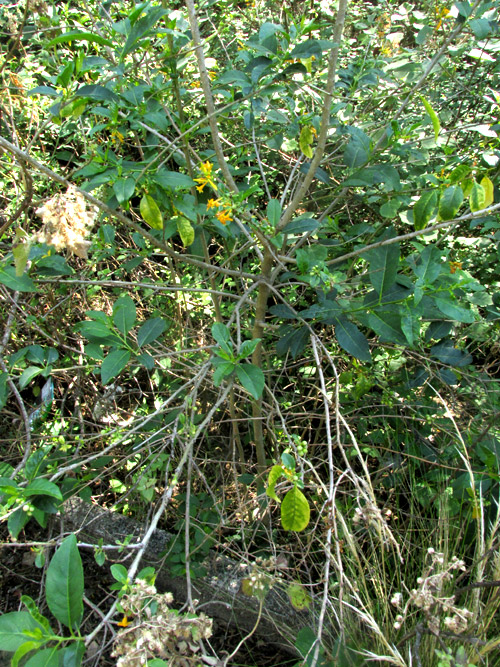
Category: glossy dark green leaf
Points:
column 273, row 212
column 387, row 326
column 221, row 334
column 64, row 584
column 173, row 179
column 124, row 314
column 150, row 331
column 293, row 341
column 113, row 365
column 141, row 28
column 351, row 339
column 124, row 189
column 450, row 202
column 448, row 354
column 384, row 263
column 251, row 378
column 425, row 209
column 42, row 487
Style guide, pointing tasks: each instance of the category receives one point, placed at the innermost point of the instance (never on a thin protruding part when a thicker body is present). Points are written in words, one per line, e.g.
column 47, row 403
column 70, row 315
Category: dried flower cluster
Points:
column 67, row 222
column 430, row 597
column 156, row 631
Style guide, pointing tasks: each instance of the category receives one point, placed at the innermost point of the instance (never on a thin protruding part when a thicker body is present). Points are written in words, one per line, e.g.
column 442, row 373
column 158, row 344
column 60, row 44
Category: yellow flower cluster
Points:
column 223, row 216
column 206, row 169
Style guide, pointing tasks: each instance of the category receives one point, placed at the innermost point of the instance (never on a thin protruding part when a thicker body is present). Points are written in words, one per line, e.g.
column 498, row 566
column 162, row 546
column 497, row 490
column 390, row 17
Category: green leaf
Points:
column 295, row 510
column 356, row 153
column 124, row 188
column 460, row 172
column 185, row 229
column 119, row 572
column 124, row 314
column 301, row 225
column 141, row 28
column 450, row 202
column 173, row 179
column 28, row 374
column 113, row 365
column 12, row 628
column 24, row 649
column 477, row 197
column 17, row 283
column 221, row 334
column 274, row 474
column 64, row 584
column 47, row 657
column 450, row 355
column 98, row 333
column 151, row 212
column 77, row 36
column 4, row 389
column 288, row 460
column 251, row 378
column 387, row 326
column 384, row 263
column 453, row 310
column 425, row 209
column 305, row 141
column 42, row 487
column 30, row 604
column 16, row 522
column 222, row 369
column 351, row 339
column 433, row 116
column 429, row 265
column 97, row 92
column 273, row 212
column 150, row 330
column 247, row 348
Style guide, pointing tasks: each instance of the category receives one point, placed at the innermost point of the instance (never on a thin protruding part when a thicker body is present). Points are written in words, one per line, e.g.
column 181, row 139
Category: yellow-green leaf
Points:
column 488, row 189
column 274, row 474
column 295, row 510
column 21, row 253
column 298, row 595
column 150, row 212
column 433, row 116
column 185, row 229
column 477, row 197
column 305, row 141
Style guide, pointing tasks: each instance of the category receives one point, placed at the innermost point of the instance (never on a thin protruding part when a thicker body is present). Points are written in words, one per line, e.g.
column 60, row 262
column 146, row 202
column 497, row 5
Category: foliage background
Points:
column 249, row 292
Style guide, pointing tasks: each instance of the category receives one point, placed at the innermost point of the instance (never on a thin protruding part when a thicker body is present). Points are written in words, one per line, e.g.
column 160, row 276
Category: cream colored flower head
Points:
column 67, row 222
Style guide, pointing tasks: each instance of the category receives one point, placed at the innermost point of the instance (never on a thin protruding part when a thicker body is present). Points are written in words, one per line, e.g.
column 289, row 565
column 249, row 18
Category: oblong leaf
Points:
column 450, row 202
column 351, row 339
column 151, row 212
column 274, row 474
column 42, row 487
column 185, row 229
column 124, row 189
column 124, row 314
column 433, row 116
column 273, row 212
column 477, row 197
column 251, row 378
column 113, row 365
column 425, row 209
column 488, row 188
column 64, row 584
column 150, row 330
column 295, row 510
column 77, row 36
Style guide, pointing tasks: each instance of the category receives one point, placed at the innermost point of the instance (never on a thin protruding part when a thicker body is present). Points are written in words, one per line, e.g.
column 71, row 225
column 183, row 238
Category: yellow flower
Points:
column 207, row 178
column 213, row 203
column 454, row 266
column 124, row 622
column 223, row 216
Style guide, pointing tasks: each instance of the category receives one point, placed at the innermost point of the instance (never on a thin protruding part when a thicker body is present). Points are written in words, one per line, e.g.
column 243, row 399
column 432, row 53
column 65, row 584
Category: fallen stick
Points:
column 219, row 592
